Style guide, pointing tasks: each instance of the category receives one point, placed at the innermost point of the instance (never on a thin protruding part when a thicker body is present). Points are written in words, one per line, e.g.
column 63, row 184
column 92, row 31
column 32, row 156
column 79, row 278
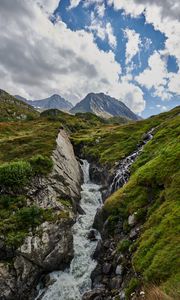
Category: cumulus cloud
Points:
column 164, row 84
column 133, row 44
column 156, row 76
column 164, row 15
column 38, row 58
column 48, row 6
column 103, row 30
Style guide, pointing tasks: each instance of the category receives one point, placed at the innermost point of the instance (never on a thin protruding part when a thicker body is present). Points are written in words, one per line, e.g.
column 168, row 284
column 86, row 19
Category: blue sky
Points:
column 152, row 40
column 128, row 49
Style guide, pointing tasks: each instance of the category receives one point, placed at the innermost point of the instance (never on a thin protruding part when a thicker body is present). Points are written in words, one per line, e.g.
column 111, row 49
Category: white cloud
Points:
column 74, row 3
column 48, row 6
column 103, row 30
column 164, row 15
column 133, row 44
column 156, row 77
column 38, row 58
column 162, row 107
column 174, row 83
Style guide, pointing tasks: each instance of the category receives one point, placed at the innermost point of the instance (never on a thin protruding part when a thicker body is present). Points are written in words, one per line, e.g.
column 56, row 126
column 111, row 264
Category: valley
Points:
column 48, row 200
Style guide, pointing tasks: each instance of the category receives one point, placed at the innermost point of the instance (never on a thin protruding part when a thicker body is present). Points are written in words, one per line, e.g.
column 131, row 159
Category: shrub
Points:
column 41, row 165
column 15, row 175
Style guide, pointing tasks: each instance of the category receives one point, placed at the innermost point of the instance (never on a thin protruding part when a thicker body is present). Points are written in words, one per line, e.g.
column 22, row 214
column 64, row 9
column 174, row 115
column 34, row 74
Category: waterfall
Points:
column 123, row 170
column 75, row 281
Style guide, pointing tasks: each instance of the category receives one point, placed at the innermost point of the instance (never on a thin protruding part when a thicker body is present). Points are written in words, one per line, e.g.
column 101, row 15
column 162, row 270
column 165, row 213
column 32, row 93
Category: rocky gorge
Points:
column 50, row 246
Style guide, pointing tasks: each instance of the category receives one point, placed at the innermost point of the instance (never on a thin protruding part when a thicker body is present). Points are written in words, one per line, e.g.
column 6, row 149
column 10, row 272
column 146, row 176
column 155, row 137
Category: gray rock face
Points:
column 104, row 106
column 50, row 246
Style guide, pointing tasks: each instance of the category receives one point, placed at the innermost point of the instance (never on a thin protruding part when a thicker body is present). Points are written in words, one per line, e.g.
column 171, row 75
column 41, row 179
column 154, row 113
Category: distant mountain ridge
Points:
column 54, row 101
column 104, row 106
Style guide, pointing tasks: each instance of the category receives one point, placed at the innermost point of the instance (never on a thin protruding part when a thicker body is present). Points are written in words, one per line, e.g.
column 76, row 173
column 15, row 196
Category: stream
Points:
column 75, row 281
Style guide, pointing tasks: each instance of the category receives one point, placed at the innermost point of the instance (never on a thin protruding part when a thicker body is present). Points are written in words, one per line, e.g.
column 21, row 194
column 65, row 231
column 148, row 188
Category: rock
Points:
column 116, row 283
column 50, row 246
column 107, row 268
column 134, row 233
column 132, row 220
column 92, row 235
column 122, row 295
column 94, row 294
column 119, row 270
column 98, row 249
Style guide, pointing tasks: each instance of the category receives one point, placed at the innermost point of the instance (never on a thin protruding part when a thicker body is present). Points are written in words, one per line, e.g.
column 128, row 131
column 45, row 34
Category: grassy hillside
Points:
column 111, row 143
column 152, row 193
column 12, row 109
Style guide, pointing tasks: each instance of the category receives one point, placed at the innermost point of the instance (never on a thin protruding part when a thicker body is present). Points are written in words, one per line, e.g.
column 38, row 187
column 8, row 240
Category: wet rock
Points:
column 107, row 268
column 94, row 294
column 92, row 235
column 98, row 249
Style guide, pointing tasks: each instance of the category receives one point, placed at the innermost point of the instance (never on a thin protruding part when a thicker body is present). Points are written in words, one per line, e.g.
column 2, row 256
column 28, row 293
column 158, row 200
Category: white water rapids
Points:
column 75, row 281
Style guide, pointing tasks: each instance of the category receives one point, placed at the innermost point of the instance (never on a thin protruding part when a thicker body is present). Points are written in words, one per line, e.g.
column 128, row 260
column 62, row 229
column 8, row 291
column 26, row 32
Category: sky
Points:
column 128, row 49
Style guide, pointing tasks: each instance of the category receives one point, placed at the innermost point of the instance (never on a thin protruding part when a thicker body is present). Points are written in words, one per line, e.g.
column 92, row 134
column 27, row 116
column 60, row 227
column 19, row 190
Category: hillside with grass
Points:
column 151, row 197
column 12, row 109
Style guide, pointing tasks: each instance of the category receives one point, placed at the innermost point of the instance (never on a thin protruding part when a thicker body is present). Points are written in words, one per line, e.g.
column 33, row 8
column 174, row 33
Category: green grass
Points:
column 12, row 109
column 153, row 192
column 108, row 144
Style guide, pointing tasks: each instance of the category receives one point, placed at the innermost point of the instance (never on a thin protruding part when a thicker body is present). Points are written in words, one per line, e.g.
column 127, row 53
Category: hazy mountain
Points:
column 54, row 101
column 104, row 106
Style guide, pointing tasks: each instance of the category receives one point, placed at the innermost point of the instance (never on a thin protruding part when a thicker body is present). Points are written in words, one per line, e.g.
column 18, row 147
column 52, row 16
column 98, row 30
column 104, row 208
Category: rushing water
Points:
column 73, row 282
column 123, row 170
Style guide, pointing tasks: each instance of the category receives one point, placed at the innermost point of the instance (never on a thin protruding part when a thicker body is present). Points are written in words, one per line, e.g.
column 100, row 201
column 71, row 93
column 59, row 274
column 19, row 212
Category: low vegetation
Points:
column 153, row 193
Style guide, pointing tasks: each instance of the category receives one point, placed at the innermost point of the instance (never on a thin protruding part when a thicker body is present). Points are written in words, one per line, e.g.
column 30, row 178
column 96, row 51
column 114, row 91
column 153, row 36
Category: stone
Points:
column 119, row 270
column 116, row 283
column 92, row 235
column 132, row 220
column 97, row 293
column 107, row 268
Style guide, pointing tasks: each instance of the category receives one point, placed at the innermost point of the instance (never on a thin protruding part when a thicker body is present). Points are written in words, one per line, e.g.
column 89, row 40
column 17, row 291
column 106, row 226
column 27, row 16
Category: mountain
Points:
column 54, row 101
column 103, row 106
column 13, row 109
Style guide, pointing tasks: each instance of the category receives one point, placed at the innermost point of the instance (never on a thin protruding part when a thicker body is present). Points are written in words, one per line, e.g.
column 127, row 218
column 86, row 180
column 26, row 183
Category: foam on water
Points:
column 73, row 282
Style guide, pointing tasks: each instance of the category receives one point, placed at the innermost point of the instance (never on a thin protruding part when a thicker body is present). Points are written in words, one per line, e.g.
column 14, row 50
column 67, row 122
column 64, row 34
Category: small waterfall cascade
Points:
column 123, row 170
column 75, row 281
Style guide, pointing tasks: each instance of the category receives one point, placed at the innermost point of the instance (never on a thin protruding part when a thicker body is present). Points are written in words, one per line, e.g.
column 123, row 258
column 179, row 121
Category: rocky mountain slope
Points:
column 103, row 106
column 54, row 101
column 13, row 109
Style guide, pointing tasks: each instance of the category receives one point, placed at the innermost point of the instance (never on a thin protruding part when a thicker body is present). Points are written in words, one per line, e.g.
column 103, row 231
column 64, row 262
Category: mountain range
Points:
column 54, row 101
column 99, row 104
